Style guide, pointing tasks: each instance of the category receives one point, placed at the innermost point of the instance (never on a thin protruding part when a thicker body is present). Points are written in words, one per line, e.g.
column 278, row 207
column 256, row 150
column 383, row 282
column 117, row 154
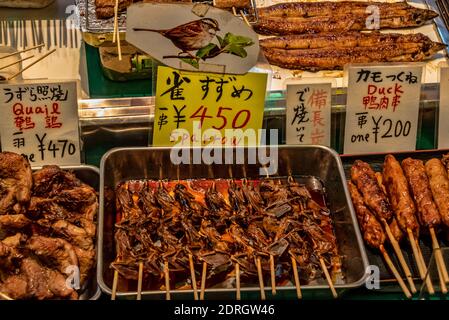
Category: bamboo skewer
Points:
column 234, row 11
column 114, row 285
column 114, row 34
column 237, row 281
column 244, row 18
column 139, row 281
column 203, row 281
column 395, row 272
column 32, row 64
column 16, row 62
column 429, row 284
column 261, row 285
column 328, row 278
column 273, row 275
column 296, row 277
column 419, row 261
column 438, row 255
column 397, row 250
column 167, row 281
column 192, row 274
column 5, row 296
column 441, row 278
column 22, row 51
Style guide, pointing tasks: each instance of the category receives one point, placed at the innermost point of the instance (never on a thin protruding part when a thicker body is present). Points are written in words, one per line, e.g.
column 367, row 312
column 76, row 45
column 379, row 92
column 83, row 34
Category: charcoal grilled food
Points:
column 221, row 222
column 104, row 9
column 341, row 16
column 51, row 238
column 439, row 184
column 332, row 50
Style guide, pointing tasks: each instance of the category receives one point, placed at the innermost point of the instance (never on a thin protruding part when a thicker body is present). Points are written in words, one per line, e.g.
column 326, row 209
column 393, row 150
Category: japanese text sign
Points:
column 382, row 108
column 203, row 108
column 443, row 127
column 308, row 119
column 40, row 121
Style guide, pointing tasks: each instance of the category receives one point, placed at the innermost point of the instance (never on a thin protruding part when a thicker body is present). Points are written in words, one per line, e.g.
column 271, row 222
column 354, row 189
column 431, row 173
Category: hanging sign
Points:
column 207, row 109
column 40, row 121
column 443, row 125
column 308, row 114
column 194, row 37
column 382, row 108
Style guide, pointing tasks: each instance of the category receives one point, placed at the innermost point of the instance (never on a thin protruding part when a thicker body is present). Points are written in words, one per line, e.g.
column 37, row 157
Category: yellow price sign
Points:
column 194, row 109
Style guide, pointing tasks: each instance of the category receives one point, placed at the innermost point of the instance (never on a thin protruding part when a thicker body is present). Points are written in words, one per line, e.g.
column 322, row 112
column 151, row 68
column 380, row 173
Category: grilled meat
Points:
column 15, row 183
column 341, row 16
column 329, row 51
column 401, row 201
column 363, row 176
column 13, row 221
column 419, row 185
column 439, row 184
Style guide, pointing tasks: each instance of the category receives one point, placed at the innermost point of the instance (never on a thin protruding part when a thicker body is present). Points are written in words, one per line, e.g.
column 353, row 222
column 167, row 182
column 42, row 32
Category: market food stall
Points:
column 224, row 150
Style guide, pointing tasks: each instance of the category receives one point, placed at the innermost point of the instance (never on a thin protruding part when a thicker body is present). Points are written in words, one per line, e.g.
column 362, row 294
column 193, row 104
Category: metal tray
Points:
column 374, row 257
column 91, row 176
column 122, row 164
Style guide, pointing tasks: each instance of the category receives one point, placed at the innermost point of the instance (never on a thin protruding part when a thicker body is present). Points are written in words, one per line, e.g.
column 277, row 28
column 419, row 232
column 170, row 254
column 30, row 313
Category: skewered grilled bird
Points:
column 190, row 36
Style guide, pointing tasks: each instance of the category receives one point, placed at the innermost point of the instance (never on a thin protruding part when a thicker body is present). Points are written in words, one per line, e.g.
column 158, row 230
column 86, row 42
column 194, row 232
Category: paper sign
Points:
column 443, row 124
column 206, row 108
column 382, row 108
column 40, row 121
column 193, row 37
column 308, row 119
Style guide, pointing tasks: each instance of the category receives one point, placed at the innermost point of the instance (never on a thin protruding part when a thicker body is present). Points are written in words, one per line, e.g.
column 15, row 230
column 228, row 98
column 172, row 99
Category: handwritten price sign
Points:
column 382, row 108
column 40, row 121
column 308, row 119
column 198, row 108
column 443, row 128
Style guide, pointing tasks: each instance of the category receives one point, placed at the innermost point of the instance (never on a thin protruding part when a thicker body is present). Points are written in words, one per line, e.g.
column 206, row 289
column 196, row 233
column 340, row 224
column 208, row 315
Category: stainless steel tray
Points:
column 91, row 176
column 122, row 164
column 374, row 257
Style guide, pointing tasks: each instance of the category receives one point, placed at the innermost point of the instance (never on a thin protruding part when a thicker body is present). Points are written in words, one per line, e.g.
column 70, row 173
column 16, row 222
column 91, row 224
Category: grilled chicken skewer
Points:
column 316, row 17
column 331, row 51
column 373, row 233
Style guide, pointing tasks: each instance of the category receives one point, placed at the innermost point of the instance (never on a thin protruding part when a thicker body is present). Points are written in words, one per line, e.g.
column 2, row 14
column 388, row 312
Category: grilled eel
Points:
column 397, row 188
column 363, row 176
column 330, row 51
column 315, row 17
column 415, row 172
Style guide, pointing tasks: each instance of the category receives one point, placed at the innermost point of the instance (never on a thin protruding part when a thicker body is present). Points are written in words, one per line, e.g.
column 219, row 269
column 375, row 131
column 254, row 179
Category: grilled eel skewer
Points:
column 314, row 17
column 330, row 51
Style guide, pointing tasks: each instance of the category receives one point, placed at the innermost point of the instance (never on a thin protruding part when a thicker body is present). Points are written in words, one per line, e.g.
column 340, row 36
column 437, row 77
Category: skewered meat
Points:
column 439, row 184
column 330, row 51
column 419, row 185
column 363, row 176
column 372, row 231
column 401, row 201
column 315, row 17
column 15, row 182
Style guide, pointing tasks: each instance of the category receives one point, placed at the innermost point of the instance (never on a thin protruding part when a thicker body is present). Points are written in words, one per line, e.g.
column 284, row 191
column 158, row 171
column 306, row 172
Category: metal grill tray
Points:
column 320, row 163
column 374, row 257
column 91, row 176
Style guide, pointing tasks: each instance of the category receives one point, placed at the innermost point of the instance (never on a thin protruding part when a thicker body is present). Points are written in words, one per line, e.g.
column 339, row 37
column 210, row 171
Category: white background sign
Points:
column 40, row 121
column 308, row 119
column 443, row 122
column 382, row 108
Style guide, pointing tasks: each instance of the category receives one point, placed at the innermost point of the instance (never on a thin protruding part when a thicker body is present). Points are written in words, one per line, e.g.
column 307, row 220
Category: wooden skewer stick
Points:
column 237, row 281
column 192, row 274
column 259, row 272
column 428, row 279
column 244, row 18
column 234, row 11
column 203, row 281
column 32, row 64
column 395, row 272
column 167, row 281
column 441, row 278
column 328, row 278
column 22, row 51
column 139, row 281
column 296, row 277
column 114, row 35
column 16, row 62
column 5, row 296
column 273, row 275
column 419, row 261
column 397, row 250
column 438, row 255
column 114, row 285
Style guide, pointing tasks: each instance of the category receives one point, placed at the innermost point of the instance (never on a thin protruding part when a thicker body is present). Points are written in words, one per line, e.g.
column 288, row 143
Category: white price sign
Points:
column 382, row 108
column 40, row 121
column 443, row 128
column 308, row 119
